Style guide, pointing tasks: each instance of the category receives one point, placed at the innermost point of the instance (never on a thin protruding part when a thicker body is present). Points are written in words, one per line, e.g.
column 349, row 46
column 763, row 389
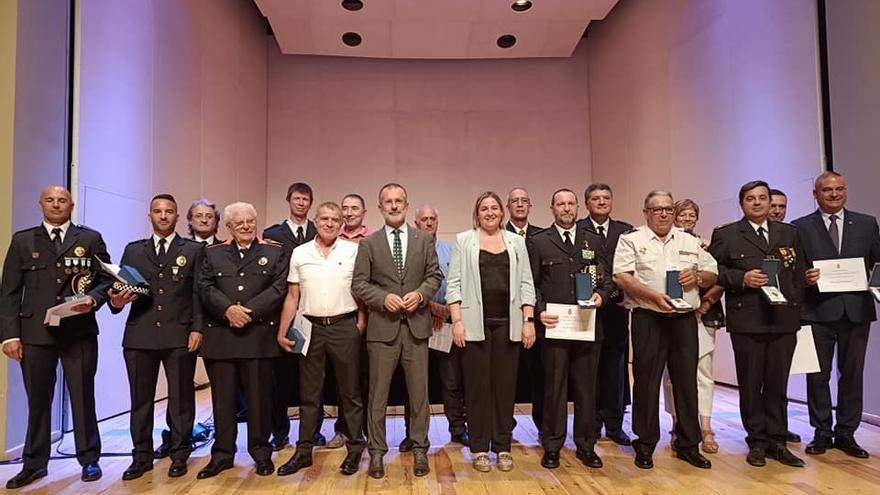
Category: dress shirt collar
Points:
column 64, row 228
column 562, row 231
column 168, row 241
column 389, row 231
column 293, row 226
column 360, row 233
column 755, row 226
column 208, row 240
column 826, row 217
column 605, row 225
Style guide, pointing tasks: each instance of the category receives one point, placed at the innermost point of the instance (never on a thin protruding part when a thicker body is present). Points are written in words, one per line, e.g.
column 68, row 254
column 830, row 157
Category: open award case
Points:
column 874, row 282
column 583, row 287
column 772, row 293
column 676, row 292
column 126, row 278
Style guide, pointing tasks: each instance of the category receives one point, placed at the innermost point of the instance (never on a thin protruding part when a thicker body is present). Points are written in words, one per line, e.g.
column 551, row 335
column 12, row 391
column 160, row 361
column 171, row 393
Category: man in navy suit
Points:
column 841, row 318
column 613, row 381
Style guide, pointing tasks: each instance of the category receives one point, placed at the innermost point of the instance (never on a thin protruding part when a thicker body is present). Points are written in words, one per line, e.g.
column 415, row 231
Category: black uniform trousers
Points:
column 450, row 368
column 340, row 342
column 532, row 371
column 664, row 340
column 143, row 373
column 79, row 360
column 490, row 387
column 851, row 340
column 569, row 365
column 763, row 362
column 613, row 376
column 254, row 376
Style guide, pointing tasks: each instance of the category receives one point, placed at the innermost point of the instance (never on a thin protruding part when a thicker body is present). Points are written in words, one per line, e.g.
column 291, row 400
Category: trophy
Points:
column 126, row 278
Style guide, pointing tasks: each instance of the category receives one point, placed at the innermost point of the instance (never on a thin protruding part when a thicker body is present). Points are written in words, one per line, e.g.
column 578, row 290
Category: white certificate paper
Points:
column 842, row 275
column 575, row 323
column 805, row 359
column 441, row 339
column 56, row 313
column 301, row 323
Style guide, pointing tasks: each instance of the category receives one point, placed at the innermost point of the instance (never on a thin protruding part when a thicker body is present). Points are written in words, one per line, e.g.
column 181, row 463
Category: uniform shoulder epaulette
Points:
column 85, row 227
column 630, row 231
column 270, row 242
column 726, row 225
column 626, row 225
column 227, row 242
column 276, row 226
column 187, row 240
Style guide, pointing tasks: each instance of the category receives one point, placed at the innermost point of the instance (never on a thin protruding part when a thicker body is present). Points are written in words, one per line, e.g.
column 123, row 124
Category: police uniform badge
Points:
column 643, row 250
column 181, row 262
column 587, row 253
column 263, row 261
column 788, row 256
column 79, row 251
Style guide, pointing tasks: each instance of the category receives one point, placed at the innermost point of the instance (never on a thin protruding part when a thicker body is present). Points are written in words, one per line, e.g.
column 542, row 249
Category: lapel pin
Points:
column 263, row 261
column 181, row 261
column 79, row 251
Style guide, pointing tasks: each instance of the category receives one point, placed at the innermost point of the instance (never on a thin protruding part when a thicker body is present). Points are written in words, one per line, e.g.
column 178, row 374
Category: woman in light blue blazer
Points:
column 491, row 298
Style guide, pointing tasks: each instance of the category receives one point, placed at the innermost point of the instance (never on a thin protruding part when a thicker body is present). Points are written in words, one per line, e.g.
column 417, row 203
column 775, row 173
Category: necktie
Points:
column 834, row 233
column 521, row 232
column 764, row 243
column 56, row 239
column 161, row 251
column 601, row 229
column 568, row 243
column 299, row 235
column 242, row 252
column 398, row 252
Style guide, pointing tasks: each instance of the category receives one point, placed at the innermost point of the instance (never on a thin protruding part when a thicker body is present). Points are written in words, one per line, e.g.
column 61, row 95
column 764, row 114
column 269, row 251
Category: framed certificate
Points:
column 842, row 275
column 575, row 323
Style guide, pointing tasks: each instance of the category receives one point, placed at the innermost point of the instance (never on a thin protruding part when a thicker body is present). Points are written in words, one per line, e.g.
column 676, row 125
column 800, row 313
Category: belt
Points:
column 326, row 321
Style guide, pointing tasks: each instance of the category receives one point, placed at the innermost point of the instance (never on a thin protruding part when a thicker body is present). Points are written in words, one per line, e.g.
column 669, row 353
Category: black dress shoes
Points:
column 589, row 458
column 849, row 447
column 693, row 457
column 177, row 469
column 214, row 468
column 643, row 460
column 265, row 467
column 352, row 463
column 463, row 439
column 301, row 459
column 619, row 437
column 420, row 463
column 91, row 472
column 278, row 443
column 819, row 445
column 164, row 449
column 784, row 456
column 136, row 470
column 792, row 437
column 756, row 457
column 550, row 459
column 377, row 467
column 25, row 477
column 319, row 440
column 406, row 445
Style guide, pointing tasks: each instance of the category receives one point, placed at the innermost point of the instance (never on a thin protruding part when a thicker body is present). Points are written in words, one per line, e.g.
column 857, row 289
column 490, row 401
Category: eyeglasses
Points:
column 519, row 201
column 661, row 209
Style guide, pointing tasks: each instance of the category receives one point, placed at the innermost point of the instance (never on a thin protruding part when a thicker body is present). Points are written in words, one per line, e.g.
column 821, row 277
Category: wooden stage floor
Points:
column 451, row 472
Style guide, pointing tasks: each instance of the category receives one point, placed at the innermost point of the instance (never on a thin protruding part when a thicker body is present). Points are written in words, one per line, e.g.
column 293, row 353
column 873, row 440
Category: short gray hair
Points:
column 657, row 192
column 234, row 208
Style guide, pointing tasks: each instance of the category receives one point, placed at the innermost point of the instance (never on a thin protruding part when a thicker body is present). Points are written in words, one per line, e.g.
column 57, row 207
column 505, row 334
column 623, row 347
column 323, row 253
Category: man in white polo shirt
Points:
column 319, row 284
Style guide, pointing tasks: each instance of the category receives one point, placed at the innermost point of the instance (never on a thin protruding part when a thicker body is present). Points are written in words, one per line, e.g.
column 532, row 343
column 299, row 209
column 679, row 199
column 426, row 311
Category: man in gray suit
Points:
column 396, row 274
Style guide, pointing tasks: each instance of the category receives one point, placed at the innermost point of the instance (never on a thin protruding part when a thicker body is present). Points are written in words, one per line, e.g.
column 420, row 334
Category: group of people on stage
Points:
column 373, row 299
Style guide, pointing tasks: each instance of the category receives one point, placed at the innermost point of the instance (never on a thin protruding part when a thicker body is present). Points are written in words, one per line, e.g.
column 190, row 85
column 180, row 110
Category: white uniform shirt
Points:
column 324, row 283
column 643, row 253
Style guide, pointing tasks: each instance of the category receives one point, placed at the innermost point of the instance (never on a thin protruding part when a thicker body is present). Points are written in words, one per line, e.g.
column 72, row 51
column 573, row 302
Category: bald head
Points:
column 426, row 219
column 56, row 203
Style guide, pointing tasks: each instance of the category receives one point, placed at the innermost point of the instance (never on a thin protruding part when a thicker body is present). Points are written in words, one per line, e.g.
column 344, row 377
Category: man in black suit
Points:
column 242, row 283
column 531, row 369
column 164, row 327
column 778, row 205
column 613, row 380
column 291, row 233
column 202, row 223
column 763, row 334
column 557, row 254
column 840, row 319
column 645, row 259
column 44, row 266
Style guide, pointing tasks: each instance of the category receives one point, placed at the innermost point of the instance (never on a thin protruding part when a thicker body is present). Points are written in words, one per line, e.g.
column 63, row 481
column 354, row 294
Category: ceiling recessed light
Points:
column 506, row 41
column 354, row 5
column 352, row 39
column 521, row 5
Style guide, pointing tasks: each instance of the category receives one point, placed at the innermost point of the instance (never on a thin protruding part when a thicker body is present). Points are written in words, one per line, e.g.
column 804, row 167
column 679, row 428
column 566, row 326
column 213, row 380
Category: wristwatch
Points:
column 529, row 319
